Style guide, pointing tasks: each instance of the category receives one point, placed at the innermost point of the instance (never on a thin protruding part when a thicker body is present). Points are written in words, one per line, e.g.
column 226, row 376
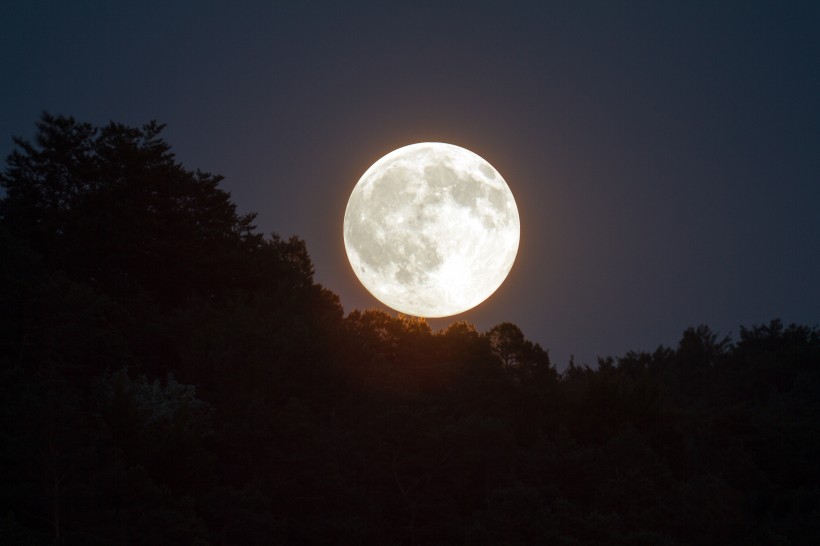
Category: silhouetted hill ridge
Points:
column 170, row 376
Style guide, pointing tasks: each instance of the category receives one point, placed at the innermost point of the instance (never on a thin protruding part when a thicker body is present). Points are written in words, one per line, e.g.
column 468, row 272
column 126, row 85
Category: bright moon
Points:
column 431, row 229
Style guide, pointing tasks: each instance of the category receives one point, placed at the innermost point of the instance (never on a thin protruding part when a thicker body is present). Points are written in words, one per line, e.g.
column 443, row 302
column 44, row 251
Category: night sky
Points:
column 665, row 156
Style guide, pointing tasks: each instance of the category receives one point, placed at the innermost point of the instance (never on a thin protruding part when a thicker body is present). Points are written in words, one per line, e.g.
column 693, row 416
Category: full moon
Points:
column 431, row 229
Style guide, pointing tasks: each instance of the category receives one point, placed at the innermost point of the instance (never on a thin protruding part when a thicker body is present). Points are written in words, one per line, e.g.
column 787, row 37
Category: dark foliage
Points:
column 169, row 376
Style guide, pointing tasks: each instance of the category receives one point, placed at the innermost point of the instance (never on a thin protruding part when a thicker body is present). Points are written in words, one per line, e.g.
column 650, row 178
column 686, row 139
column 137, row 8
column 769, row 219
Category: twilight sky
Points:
column 665, row 156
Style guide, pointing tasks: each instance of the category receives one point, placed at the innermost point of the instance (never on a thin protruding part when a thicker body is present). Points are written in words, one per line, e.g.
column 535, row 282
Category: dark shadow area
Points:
column 170, row 376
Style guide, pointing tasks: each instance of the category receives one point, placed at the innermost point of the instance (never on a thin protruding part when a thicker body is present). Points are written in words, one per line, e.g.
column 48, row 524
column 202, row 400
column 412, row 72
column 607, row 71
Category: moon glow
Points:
column 431, row 229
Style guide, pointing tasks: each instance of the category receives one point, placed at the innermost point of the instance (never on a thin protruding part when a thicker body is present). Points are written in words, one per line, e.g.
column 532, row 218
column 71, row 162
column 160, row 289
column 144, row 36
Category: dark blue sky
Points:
column 665, row 156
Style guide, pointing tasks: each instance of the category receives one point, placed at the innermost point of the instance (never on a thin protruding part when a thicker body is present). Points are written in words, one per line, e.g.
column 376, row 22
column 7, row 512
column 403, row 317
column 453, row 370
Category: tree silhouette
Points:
column 111, row 206
column 170, row 376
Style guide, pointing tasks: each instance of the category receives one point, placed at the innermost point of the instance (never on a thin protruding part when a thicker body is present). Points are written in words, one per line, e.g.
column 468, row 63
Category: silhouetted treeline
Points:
column 170, row 376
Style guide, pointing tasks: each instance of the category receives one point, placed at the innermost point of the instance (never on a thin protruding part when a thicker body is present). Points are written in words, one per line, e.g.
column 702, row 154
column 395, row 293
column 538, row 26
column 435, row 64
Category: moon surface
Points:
column 431, row 229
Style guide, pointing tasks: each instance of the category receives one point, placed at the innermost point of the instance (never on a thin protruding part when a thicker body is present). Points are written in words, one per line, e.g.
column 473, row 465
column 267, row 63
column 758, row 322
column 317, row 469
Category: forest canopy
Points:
column 172, row 376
